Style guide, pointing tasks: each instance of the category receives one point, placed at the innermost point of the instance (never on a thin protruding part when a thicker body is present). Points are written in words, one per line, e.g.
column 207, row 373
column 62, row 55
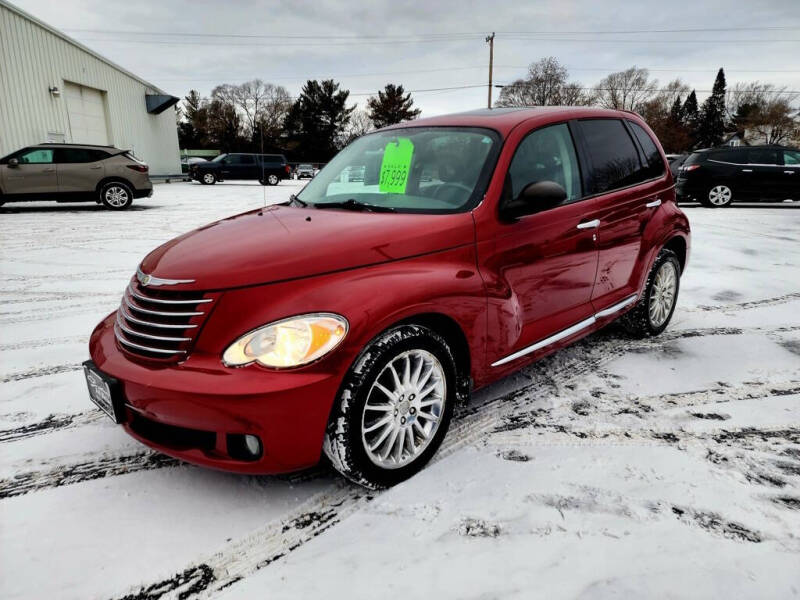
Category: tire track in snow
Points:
column 259, row 549
column 51, row 424
column 747, row 305
column 107, row 466
column 41, row 372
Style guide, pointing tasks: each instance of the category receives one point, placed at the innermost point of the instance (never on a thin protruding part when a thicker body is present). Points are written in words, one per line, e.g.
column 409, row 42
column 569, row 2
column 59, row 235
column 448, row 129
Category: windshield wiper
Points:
column 294, row 200
column 353, row 204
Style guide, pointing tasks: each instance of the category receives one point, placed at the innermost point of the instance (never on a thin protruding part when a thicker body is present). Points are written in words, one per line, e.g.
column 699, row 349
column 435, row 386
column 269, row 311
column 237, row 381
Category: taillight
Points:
column 288, row 169
column 140, row 168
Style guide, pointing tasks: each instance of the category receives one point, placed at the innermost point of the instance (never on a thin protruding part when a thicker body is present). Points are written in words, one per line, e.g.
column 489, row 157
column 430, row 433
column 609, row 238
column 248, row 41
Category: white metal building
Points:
column 54, row 89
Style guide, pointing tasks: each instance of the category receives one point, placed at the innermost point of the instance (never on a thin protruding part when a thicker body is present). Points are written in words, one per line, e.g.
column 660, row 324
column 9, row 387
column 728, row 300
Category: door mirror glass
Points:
column 14, row 162
column 535, row 197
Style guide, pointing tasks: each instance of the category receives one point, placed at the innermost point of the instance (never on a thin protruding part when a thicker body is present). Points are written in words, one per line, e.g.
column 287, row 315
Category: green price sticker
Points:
column 396, row 166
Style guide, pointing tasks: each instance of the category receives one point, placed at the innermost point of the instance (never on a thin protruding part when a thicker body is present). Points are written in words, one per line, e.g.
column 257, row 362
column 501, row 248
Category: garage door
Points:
column 86, row 111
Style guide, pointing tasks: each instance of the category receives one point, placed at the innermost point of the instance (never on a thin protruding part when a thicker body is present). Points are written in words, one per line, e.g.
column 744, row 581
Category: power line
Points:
column 383, row 42
column 481, row 67
column 427, row 35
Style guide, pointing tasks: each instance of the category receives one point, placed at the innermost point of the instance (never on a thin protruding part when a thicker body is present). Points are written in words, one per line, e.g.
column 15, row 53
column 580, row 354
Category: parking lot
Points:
column 616, row 466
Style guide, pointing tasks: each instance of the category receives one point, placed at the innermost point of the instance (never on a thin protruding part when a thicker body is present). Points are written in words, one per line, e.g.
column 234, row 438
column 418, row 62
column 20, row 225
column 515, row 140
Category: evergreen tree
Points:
column 317, row 120
column 691, row 118
column 191, row 128
column 676, row 112
column 391, row 106
column 712, row 116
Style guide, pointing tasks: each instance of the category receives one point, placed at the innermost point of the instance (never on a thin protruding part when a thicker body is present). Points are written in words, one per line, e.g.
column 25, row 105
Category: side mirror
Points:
column 535, row 197
column 14, row 162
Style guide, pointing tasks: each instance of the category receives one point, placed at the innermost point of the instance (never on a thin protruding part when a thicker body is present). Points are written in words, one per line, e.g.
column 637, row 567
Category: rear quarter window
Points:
column 615, row 160
column 655, row 164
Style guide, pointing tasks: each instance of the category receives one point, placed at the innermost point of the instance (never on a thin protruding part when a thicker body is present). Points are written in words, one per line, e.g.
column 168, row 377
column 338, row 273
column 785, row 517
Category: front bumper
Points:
column 188, row 410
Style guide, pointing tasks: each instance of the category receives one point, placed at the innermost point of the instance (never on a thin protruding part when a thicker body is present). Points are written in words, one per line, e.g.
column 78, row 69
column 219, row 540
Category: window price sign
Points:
column 396, row 166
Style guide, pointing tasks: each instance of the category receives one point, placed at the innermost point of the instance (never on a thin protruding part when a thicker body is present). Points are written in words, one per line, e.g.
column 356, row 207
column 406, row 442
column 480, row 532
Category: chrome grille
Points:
column 160, row 324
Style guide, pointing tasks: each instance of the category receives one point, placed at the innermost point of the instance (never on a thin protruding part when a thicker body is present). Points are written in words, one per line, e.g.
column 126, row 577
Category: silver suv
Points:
column 74, row 173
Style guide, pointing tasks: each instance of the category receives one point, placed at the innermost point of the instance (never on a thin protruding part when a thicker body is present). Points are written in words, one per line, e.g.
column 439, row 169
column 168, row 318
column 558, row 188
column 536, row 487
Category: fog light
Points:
column 252, row 444
column 244, row 446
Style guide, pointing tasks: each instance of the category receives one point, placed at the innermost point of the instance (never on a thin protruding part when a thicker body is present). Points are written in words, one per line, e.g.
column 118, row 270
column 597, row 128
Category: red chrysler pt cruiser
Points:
column 425, row 260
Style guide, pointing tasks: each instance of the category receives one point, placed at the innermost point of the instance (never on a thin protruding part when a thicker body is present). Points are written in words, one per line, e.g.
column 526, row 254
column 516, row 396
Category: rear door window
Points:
column 655, row 164
column 735, row 157
column 79, row 155
column 547, row 154
column 241, row 159
column 614, row 158
column 762, row 156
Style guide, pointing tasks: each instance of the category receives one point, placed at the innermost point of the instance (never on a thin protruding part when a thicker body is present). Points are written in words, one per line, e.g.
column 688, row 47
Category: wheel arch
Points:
column 454, row 335
column 678, row 245
column 113, row 179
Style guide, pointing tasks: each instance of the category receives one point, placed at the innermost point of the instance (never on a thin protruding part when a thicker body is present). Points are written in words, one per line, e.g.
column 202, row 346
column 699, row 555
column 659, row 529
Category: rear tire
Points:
column 403, row 415
column 116, row 195
column 208, row 179
column 273, row 179
column 718, row 196
column 653, row 312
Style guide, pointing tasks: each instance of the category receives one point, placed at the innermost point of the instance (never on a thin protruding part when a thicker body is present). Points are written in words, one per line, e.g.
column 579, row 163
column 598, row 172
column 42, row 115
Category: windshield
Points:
column 219, row 158
column 303, row 166
column 416, row 169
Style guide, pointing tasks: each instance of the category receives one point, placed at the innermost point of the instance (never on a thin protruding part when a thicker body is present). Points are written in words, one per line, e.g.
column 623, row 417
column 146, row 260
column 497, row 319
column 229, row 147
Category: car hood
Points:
column 280, row 243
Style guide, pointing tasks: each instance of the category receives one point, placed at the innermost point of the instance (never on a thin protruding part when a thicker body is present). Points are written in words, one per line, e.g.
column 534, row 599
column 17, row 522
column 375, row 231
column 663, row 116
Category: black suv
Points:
column 718, row 176
column 268, row 169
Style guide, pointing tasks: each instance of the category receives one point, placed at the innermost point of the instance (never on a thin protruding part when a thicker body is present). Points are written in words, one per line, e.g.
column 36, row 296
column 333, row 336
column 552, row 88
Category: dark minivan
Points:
column 268, row 169
column 718, row 176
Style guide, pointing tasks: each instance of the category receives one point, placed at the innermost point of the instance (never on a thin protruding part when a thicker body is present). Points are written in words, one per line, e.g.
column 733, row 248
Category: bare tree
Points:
column 546, row 84
column 360, row 124
column 273, row 108
column 626, row 90
column 763, row 112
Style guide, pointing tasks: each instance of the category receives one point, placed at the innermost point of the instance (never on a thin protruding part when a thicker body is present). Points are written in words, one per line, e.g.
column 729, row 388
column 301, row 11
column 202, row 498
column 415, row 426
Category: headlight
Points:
column 290, row 342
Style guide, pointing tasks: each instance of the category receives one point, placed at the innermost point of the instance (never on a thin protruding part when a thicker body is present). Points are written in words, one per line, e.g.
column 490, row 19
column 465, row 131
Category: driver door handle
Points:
column 789, row 172
column 589, row 224
column 654, row 203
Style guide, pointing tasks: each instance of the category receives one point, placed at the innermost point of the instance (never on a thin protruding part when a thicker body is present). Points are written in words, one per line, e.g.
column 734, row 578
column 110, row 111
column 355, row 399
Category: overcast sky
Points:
column 430, row 44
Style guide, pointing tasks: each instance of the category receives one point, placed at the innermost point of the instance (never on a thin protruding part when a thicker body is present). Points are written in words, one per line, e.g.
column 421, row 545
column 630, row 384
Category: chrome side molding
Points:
column 607, row 312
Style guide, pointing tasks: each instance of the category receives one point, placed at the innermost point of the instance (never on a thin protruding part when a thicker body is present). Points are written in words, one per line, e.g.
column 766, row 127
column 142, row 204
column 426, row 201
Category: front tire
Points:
column 653, row 312
column 719, row 196
column 208, row 179
column 116, row 196
column 394, row 407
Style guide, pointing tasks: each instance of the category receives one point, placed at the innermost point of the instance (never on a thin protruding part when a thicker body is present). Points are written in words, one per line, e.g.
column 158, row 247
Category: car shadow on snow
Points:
column 773, row 205
column 61, row 208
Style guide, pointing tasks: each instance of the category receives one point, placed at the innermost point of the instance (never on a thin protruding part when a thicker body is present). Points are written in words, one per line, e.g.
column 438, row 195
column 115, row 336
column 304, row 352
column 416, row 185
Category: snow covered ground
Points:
column 615, row 468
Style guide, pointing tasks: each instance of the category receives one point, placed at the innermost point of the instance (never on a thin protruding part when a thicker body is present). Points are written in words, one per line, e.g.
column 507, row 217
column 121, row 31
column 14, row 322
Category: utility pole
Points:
column 490, row 39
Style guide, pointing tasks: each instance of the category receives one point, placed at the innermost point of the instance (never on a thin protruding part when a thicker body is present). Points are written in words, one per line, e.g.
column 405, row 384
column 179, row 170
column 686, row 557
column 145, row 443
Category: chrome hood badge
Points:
column 148, row 280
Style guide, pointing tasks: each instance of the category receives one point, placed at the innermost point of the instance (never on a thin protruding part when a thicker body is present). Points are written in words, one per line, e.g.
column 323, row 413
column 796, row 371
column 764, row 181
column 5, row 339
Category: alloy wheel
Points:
column 662, row 297
column 208, row 178
column 273, row 179
column 720, row 195
column 117, row 196
column 403, row 410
